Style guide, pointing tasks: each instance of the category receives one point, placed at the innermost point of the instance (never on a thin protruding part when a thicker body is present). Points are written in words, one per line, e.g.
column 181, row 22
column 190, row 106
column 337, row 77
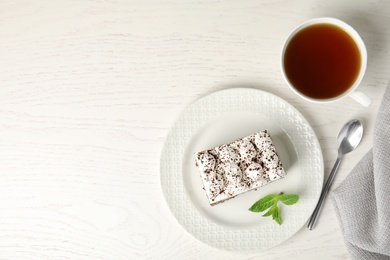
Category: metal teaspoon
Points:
column 348, row 139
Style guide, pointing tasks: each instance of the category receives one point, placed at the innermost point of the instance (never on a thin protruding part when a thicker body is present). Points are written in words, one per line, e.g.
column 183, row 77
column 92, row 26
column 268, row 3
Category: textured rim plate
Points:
column 222, row 117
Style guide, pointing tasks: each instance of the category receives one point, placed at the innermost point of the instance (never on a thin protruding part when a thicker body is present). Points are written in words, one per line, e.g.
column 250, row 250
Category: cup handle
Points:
column 361, row 98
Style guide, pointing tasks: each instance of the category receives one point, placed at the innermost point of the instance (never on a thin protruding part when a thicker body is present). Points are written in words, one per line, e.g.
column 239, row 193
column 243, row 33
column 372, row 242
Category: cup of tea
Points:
column 324, row 60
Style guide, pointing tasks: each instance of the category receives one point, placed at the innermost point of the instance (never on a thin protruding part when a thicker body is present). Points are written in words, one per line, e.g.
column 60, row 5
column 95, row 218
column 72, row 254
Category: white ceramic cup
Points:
column 351, row 91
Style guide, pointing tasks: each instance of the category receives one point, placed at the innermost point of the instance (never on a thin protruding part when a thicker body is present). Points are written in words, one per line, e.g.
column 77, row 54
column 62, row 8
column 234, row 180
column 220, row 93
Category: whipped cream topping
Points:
column 206, row 162
column 263, row 141
column 245, row 164
column 247, row 150
column 227, row 154
column 233, row 173
column 254, row 172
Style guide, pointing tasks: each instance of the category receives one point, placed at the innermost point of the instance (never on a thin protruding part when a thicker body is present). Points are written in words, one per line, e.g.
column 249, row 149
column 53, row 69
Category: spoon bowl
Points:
column 349, row 136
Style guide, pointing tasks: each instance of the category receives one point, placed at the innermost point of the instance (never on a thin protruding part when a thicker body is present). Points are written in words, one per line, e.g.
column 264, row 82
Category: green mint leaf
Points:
column 278, row 220
column 275, row 213
column 276, row 217
column 270, row 202
column 271, row 211
column 264, row 203
column 289, row 199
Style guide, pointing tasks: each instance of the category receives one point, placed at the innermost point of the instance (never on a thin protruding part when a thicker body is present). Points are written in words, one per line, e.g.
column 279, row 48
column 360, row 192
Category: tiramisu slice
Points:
column 243, row 165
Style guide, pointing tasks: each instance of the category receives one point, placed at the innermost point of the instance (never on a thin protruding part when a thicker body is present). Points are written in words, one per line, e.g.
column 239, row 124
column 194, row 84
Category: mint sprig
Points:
column 270, row 202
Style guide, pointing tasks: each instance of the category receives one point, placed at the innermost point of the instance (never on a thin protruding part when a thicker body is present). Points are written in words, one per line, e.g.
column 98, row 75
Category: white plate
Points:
column 222, row 117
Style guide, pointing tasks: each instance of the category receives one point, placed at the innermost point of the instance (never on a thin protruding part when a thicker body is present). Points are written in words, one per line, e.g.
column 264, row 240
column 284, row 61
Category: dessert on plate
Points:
column 231, row 169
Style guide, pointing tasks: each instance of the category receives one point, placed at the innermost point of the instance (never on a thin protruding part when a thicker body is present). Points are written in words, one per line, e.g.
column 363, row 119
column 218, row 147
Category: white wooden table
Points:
column 90, row 89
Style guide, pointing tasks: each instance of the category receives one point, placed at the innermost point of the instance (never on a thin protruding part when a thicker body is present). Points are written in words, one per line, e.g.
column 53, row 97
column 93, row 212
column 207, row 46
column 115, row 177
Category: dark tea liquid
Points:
column 322, row 61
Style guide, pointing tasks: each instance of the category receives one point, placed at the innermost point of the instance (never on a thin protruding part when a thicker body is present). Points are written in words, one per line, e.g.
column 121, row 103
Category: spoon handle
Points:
column 324, row 193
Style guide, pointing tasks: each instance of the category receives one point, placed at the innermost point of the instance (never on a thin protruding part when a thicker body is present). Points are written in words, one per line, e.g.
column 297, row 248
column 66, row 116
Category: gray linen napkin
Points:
column 362, row 201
